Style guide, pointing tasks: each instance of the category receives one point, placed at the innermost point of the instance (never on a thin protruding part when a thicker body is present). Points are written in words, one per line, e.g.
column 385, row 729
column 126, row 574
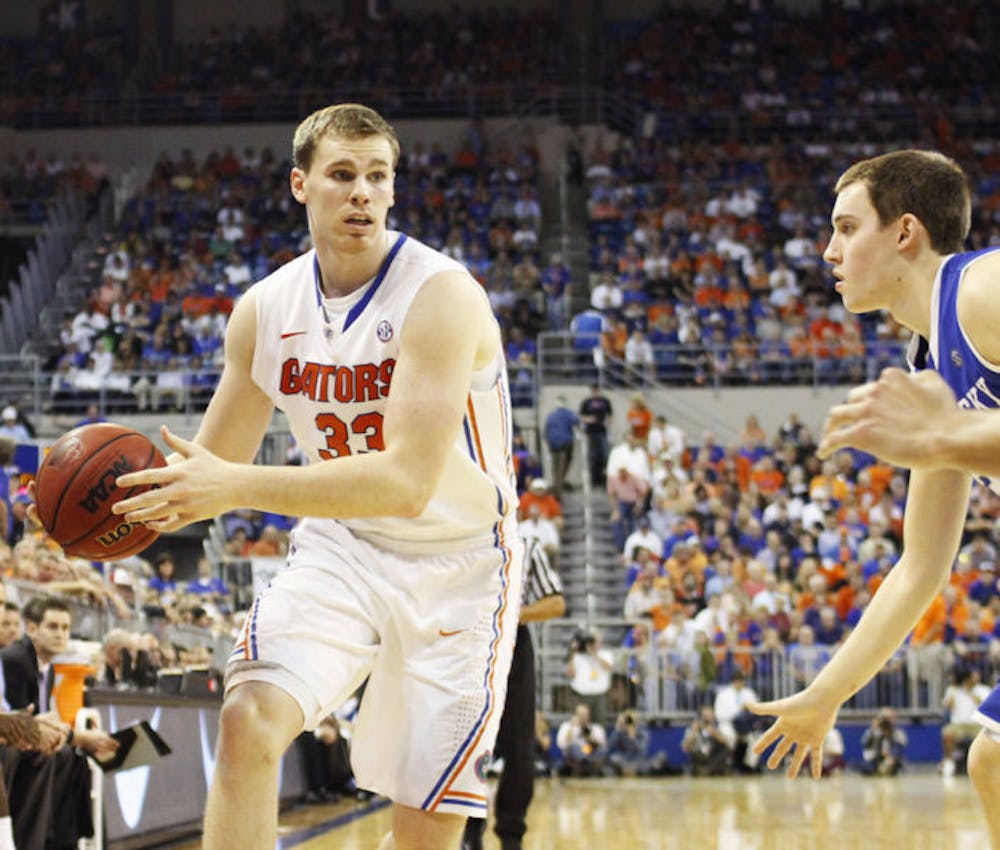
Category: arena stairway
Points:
column 589, row 564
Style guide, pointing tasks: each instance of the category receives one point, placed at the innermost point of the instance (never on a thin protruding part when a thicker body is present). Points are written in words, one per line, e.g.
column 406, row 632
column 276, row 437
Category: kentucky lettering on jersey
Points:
column 979, row 397
column 975, row 382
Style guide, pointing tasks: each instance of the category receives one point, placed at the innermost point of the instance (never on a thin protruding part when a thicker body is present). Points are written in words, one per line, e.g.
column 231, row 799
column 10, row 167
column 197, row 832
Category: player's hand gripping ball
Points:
column 75, row 489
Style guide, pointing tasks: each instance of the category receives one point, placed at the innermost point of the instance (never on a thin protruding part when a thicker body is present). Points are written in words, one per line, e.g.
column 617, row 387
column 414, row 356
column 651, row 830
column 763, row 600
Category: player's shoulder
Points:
column 301, row 267
column 978, row 299
column 414, row 254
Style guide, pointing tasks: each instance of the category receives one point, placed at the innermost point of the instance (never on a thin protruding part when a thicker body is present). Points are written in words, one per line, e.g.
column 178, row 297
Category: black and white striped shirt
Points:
column 540, row 577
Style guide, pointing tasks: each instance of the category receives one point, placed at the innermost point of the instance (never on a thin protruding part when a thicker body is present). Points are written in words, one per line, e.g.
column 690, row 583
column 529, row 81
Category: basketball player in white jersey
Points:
column 900, row 221
column 386, row 358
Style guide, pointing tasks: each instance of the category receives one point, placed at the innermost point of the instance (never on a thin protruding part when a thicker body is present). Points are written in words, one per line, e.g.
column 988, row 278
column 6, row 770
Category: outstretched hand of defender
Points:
column 892, row 418
column 192, row 487
column 799, row 731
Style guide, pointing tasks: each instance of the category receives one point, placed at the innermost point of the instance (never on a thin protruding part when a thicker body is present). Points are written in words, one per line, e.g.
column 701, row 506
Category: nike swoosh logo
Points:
column 451, row 633
column 293, row 333
column 131, row 785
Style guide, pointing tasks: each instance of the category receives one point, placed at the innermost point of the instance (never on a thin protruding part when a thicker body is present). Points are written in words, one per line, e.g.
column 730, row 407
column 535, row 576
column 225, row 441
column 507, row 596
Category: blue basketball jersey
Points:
column 975, row 382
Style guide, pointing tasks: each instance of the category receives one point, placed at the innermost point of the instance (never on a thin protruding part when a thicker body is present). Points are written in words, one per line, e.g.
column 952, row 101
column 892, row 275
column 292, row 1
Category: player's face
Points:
column 347, row 191
column 862, row 252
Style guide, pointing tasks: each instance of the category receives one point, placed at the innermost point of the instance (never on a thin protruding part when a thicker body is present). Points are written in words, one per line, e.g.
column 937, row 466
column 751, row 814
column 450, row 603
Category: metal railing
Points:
column 560, row 361
column 672, row 683
column 565, row 358
column 573, row 104
column 91, row 621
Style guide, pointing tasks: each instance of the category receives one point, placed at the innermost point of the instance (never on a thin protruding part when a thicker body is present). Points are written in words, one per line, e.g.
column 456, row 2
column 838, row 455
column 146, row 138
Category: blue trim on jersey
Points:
column 468, row 439
column 317, row 277
column 988, row 713
column 359, row 308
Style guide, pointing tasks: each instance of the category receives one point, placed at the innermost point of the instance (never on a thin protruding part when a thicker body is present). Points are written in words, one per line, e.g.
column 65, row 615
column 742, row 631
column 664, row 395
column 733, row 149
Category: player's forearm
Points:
column 971, row 441
column 889, row 618
column 376, row 484
column 544, row 609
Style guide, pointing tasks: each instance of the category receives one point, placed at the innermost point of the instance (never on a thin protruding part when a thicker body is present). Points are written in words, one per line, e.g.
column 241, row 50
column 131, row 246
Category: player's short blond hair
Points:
column 350, row 120
column 927, row 184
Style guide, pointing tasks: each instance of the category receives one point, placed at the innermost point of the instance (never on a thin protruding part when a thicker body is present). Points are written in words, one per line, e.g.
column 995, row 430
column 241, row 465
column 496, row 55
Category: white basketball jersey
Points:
column 328, row 362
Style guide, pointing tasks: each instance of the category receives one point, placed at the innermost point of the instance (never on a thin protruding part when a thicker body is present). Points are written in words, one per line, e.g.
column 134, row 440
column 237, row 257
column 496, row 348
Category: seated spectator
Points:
column 628, row 748
column 10, row 623
column 806, row 658
column 206, row 584
column 10, row 426
column 706, row 745
column 163, row 579
column 61, row 815
column 538, row 493
column 272, row 543
column 643, row 537
column 882, row 745
column 583, row 744
column 642, row 594
column 535, row 526
column 326, row 759
column 119, row 648
column 543, row 745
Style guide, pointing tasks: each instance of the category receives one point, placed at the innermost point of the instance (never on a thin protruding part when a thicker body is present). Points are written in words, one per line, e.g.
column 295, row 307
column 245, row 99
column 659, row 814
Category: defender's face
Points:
column 861, row 252
column 347, row 191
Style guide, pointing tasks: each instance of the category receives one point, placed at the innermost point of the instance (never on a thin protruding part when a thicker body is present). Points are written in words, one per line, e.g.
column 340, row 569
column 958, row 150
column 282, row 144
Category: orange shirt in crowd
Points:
column 881, row 475
column 639, row 420
column 835, row 486
column 843, row 601
column 549, row 504
column 768, row 481
column 833, row 573
column 930, row 627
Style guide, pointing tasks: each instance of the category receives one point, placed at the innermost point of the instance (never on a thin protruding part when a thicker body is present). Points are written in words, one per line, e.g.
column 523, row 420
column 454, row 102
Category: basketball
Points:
column 75, row 489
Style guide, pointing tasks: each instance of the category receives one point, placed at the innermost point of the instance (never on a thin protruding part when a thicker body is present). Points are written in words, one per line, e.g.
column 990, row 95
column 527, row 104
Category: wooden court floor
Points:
column 915, row 811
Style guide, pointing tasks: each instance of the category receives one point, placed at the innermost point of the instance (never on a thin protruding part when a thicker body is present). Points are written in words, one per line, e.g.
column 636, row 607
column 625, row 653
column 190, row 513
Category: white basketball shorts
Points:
column 435, row 634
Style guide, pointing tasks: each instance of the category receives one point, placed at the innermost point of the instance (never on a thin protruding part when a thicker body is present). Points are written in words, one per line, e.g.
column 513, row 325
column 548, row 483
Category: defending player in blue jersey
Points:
column 900, row 221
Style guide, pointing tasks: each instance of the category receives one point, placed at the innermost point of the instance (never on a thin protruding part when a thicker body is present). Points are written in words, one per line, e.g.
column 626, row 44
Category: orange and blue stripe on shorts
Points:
column 442, row 792
column 246, row 645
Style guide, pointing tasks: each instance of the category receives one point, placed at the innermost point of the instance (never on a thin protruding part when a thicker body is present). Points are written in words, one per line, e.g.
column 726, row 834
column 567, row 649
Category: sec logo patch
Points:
column 384, row 331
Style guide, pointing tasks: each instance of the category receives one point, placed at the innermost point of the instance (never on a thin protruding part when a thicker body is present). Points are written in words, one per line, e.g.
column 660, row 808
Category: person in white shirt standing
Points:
column 960, row 702
column 736, row 722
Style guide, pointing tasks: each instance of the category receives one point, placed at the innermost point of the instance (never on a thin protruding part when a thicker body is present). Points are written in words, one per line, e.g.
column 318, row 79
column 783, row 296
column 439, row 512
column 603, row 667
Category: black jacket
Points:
column 20, row 673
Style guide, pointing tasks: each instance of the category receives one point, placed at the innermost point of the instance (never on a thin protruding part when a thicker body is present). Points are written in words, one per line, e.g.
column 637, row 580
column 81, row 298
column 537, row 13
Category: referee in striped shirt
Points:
column 542, row 599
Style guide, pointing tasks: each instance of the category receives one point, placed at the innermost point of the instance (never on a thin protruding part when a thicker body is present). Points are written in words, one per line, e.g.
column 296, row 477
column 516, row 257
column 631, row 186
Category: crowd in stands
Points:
column 840, row 70
column 29, row 182
column 758, row 558
column 706, row 262
column 743, row 565
column 149, row 336
column 83, row 69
